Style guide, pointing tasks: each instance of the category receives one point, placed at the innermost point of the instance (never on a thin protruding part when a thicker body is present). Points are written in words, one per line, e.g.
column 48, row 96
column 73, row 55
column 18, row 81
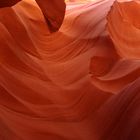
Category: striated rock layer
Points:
column 79, row 83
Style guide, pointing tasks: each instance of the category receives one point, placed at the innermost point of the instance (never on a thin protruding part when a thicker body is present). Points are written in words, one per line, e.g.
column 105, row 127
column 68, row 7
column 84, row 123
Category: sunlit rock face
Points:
column 72, row 78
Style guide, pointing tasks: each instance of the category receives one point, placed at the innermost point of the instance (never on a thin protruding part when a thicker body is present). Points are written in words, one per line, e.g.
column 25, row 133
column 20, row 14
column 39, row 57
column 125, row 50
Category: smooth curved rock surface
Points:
column 79, row 83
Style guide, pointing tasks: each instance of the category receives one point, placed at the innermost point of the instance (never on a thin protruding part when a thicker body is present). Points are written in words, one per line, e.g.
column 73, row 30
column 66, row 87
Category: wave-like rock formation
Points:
column 72, row 78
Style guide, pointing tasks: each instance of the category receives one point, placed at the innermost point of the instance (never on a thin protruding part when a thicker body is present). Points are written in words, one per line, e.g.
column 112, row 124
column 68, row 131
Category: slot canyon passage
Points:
column 70, row 70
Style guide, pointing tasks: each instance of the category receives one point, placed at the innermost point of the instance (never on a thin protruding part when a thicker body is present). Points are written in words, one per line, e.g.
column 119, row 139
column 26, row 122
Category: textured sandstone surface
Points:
column 69, row 71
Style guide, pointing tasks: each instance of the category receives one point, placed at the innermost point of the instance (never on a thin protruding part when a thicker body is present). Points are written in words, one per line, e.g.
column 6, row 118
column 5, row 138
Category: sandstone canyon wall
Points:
column 69, row 78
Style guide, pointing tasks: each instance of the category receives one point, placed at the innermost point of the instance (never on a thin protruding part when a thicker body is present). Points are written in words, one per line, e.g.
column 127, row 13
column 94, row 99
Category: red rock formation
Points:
column 53, row 11
column 80, row 83
column 8, row 3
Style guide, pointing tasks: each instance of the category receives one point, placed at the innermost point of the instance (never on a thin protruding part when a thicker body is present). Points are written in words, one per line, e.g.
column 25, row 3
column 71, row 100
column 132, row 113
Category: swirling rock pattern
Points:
column 79, row 83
